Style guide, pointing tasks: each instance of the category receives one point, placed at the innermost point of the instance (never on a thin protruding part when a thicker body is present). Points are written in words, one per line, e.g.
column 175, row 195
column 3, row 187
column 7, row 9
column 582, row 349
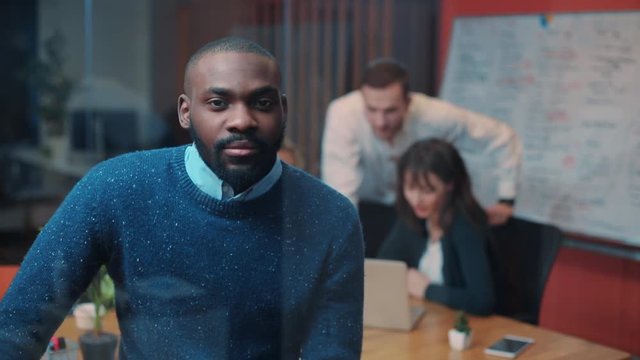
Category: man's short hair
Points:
column 380, row 73
column 226, row 45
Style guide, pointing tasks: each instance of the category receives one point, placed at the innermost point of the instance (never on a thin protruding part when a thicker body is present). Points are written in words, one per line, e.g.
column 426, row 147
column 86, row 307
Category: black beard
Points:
column 246, row 171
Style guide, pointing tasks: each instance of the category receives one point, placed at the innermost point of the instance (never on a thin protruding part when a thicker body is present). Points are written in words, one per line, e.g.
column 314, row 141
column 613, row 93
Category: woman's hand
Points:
column 499, row 214
column 417, row 283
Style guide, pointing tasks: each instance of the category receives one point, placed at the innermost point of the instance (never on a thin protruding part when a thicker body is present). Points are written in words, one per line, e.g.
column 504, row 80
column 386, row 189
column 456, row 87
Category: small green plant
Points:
column 461, row 322
column 101, row 293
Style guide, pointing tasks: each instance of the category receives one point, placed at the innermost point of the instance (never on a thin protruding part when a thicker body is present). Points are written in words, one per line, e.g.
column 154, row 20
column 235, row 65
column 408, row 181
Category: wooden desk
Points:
column 429, row 339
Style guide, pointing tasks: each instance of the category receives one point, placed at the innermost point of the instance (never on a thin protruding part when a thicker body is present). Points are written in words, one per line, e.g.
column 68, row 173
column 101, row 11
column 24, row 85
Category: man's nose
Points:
column 379, row 119
column 241, row 119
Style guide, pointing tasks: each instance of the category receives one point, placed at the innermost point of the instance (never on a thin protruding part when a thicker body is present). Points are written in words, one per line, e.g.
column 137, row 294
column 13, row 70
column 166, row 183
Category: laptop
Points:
column 386, row 299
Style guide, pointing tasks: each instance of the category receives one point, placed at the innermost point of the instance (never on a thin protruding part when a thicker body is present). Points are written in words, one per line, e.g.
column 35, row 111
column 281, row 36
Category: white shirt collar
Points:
column 207, row 181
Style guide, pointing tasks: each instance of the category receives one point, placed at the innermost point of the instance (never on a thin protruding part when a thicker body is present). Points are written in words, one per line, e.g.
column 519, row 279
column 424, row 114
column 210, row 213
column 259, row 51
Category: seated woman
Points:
column 441, row 232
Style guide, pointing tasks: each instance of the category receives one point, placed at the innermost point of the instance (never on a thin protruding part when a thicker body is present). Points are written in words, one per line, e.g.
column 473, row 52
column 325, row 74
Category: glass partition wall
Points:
column 95, row 78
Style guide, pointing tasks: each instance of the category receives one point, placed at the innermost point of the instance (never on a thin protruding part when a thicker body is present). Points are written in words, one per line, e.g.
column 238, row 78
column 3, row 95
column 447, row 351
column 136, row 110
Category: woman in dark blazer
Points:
column 441, row 232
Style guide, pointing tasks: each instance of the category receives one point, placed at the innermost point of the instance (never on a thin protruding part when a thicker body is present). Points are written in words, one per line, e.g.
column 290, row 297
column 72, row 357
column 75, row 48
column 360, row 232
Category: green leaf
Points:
column 461, row 322
column 101, row 292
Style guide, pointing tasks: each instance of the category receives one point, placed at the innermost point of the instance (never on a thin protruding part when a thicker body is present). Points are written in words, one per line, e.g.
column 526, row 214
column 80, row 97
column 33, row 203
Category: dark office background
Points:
column 18, row 31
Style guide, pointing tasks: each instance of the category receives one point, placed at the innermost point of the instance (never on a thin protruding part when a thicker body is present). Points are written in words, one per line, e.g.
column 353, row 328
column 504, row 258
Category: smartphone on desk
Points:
column 509, row 346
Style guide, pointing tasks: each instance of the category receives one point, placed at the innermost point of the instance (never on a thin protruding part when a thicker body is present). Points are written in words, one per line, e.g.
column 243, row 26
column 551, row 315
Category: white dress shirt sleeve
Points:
column 340, row 163
column 476, row 133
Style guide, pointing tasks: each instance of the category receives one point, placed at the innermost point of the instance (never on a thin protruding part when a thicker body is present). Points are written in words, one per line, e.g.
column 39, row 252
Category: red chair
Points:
column 7, row 273
column 595, row 297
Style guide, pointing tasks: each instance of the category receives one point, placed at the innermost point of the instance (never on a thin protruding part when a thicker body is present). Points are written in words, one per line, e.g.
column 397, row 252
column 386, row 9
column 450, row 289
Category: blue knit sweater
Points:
column 277, row 277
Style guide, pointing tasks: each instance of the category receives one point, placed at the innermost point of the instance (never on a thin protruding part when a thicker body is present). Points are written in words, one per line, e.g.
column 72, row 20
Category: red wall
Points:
column 450, row 9
column 595, row 297
column 7, row 273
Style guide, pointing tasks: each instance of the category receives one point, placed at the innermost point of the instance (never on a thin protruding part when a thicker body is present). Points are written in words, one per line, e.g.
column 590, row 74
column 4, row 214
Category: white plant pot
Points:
column 85, row 314
column 459, row 340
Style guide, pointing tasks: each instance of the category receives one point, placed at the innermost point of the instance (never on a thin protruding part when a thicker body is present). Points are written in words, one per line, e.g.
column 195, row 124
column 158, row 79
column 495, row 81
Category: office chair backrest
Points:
column 522, row 253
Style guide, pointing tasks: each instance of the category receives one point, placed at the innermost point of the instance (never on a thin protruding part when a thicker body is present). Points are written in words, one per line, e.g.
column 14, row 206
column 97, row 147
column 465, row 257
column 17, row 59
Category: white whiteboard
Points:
column 570, row 86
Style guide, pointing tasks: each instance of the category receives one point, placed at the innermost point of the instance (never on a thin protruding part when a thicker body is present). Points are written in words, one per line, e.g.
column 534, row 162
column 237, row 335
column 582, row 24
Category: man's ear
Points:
column 407, row 98
column 285, row 105
column 184, row 111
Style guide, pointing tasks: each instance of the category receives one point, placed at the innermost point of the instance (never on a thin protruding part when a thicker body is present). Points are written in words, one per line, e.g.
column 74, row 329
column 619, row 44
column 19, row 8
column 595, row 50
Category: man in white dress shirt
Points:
column 368, row 129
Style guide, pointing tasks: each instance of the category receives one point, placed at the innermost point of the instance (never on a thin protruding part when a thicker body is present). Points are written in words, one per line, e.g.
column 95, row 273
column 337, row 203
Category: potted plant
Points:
column 53, row 89
column 460, row 336
column 97, row 344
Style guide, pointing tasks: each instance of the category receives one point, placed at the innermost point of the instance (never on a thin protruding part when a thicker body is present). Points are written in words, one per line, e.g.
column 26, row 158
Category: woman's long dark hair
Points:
column 443, row 160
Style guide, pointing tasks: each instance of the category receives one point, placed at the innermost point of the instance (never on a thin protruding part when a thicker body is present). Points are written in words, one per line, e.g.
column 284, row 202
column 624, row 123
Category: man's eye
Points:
column 218, row 104
column 264, row 104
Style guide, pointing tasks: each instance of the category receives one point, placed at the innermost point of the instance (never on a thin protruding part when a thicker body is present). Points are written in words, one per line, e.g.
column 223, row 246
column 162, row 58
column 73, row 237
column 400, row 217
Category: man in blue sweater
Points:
column 218, row 250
